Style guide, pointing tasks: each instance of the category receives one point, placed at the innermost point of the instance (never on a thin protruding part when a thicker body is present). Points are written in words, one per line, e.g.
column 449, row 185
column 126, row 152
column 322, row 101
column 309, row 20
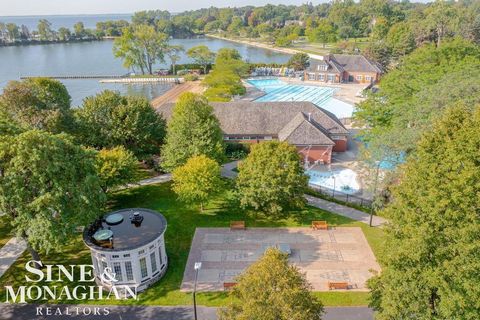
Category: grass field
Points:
column 182, row 221
column 5, row 230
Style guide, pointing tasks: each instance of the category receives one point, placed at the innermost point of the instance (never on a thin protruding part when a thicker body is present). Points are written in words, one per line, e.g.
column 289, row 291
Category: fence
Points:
column 342, row 196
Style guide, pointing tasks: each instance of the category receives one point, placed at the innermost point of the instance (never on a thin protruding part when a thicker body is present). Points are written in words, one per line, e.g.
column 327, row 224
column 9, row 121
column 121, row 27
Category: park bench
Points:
column 337, row 285
column 319, row 225
column 228, row 285
column 237, row 225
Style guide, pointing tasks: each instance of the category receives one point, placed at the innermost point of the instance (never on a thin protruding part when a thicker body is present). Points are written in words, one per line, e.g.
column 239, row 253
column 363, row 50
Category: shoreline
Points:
column 260, row 45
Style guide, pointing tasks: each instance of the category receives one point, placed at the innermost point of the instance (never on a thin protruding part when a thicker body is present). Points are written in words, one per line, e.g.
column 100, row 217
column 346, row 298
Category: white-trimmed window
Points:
column 368, row 78
column 153, row 261
column 160, row 255
column 331, row 77
column 359, row 77
column 118, row 271
column 129, row 271
column 143, row 267
column 311, row 76
column 321, row 77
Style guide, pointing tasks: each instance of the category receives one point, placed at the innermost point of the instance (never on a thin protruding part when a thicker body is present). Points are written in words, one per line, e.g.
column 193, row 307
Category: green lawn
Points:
column 182, row 221
column 5, row 230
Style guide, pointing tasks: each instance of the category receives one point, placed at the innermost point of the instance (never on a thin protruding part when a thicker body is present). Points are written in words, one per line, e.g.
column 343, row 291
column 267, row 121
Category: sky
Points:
column 62, row 7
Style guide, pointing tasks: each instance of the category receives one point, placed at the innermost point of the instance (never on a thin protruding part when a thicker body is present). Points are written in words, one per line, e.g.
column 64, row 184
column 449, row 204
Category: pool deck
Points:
column 346, row 92
column 173, row 94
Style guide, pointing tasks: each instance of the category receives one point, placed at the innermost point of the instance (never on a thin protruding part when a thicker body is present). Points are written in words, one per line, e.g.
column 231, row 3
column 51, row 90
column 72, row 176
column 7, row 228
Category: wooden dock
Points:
column 172, row 95
column 114, row 78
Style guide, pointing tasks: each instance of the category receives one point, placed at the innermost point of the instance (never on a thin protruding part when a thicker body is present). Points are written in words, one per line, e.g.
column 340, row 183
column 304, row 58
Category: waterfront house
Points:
column 315, row 132
column 342, row 68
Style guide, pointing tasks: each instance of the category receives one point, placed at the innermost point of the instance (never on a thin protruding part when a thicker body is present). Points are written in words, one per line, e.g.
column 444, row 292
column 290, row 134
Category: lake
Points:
column 96, row 58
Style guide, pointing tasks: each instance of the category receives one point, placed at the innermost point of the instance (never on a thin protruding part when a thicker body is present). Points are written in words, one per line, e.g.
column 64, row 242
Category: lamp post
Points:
column 197, row 267
column 374, row 193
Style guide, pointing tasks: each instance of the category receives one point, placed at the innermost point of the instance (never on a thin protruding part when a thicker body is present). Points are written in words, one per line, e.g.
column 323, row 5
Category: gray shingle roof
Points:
column 346, row 62
column 301, row 131
column 266, row 118
column 356, row 63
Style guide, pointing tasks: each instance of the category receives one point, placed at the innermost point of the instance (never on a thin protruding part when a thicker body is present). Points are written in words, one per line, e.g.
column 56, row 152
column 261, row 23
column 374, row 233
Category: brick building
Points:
column 340, row 68
column 314, row 131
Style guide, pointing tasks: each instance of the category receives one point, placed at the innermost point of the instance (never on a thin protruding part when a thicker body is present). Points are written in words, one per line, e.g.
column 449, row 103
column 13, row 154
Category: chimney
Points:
column 309, row 117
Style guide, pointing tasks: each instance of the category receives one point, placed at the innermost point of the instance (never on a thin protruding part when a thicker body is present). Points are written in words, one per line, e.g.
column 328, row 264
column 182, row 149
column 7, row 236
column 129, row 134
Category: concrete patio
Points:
column 336, row 255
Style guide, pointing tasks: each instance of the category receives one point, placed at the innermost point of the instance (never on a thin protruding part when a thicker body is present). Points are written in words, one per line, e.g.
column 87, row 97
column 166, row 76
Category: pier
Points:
column 113, row 78
column 172, row 95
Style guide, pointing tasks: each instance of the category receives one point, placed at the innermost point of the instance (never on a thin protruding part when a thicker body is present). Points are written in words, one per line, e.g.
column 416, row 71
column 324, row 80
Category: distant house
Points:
column 338, row 68
column 315, row 132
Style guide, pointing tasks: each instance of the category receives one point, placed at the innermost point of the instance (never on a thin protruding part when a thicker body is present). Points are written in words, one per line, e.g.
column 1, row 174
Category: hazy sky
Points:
column 52, row 7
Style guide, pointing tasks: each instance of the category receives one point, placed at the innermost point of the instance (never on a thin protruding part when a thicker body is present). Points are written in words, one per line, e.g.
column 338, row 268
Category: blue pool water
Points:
column 277, row 90
column 344, row 180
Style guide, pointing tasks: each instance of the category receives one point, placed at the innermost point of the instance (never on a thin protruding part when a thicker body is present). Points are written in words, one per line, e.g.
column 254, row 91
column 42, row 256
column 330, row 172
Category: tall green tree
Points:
column 271, row 179
column 323, row 33
column 48, row 187
column 299, row 61
column 430, row 259
column 202, row 55
column 409, row 99
column 109, row 119
column 38, row 103
column 45, row 30
column 79, row 30
column 141, row 47
column 197, row 181
column 272, row 289
column 173, row 52
column 115, row 167
column 192, row 130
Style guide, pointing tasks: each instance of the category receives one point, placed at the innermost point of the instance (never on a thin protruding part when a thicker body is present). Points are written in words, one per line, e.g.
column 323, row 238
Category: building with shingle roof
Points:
column 315, row 132
column 337, row 68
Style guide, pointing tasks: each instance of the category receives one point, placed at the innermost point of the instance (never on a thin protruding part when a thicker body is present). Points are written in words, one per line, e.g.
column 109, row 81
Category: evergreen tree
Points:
column 431, row 254
column 193, row 130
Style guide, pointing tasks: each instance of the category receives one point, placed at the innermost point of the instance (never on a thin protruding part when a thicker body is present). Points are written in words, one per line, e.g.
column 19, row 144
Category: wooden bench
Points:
column 337, row 285
column 319, row 225
column 237, row 225
column 228, row 285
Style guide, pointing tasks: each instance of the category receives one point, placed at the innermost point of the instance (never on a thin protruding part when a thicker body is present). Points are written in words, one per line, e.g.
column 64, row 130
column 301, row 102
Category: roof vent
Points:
column 136, row 218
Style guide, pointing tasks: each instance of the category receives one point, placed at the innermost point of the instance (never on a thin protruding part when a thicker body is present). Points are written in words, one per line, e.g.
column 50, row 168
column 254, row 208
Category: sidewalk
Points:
column 345, row 211
column 10, row 252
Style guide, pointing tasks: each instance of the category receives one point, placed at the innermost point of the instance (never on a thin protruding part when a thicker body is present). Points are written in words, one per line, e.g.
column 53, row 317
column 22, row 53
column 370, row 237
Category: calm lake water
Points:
column 96, row 58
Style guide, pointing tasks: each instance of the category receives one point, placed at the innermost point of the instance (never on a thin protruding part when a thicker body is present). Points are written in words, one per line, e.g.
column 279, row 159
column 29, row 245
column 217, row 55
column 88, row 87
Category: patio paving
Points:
column 334, row 255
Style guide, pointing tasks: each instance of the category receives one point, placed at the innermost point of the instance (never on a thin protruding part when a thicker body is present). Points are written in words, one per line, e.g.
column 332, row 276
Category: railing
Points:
column 342, row 196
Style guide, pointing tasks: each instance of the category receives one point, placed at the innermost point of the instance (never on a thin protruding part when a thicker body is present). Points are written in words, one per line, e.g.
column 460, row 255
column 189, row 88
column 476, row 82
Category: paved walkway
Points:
column 344, row 211
column 29, row 312
column 10, row 252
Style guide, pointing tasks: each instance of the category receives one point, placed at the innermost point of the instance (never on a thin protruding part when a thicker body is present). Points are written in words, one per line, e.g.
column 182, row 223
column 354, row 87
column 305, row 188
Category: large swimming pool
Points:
column 278, row 90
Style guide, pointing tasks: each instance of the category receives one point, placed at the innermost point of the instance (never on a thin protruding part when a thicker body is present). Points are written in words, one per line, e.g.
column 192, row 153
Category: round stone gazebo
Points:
column 131, row 244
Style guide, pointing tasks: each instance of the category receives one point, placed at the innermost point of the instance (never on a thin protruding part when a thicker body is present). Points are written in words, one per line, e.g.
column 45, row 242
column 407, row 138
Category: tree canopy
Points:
column 193, row 130
column 417, row 91
column 201, row 55
column 271, row 289
column 430, row 259
column 271, row 179
column 109, row 120
column 299, row 61
column 115, row 167
column 225, row 81
column 198, row 180
column 38, row 103
column 141, row 46
column 48, row 187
